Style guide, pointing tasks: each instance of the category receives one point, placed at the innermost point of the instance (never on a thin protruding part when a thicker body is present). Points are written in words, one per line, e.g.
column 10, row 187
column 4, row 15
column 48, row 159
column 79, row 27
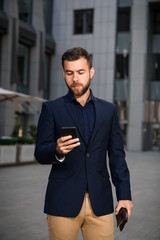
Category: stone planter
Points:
column 25, row 153
column 7, row 154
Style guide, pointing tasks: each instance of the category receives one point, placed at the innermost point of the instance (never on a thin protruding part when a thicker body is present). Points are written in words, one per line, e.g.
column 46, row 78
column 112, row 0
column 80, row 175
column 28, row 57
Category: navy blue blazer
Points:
column 86, row 165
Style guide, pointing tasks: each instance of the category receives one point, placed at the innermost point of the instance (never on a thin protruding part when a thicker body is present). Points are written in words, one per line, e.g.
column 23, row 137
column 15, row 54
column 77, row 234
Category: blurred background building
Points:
column 123, row 38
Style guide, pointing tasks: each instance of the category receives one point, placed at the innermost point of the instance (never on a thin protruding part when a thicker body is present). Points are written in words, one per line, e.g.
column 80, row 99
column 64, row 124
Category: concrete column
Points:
column 7, row 108
column 38, row 24
column 137, row 74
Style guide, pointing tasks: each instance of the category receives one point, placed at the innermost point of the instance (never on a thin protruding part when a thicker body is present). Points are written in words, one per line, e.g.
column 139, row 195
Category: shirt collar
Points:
column 73, row 99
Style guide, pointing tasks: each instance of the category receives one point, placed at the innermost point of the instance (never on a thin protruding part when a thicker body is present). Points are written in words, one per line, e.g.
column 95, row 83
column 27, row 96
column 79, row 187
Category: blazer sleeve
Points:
column 45, row 141
column 118, row 166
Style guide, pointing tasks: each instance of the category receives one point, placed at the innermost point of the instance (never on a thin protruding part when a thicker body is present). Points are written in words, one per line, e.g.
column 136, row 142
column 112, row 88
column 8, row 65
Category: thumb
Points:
column 117, row 210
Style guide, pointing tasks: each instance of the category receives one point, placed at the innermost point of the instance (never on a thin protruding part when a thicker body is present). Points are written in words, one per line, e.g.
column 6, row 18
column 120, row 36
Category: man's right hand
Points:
column 66, row 144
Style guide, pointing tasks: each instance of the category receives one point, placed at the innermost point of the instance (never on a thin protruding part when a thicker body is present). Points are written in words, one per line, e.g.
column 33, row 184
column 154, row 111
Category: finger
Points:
column 71, row 141
column 66, row 149
column 129, row 211
column 63, row 139
column 117, row 209
column 70, row 147
column 120, row 205
column 62, row 145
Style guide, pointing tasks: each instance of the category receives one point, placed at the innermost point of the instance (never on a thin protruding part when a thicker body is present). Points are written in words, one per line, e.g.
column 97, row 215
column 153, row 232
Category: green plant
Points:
column 8, row 141
column 25, row 140
column 33, row 131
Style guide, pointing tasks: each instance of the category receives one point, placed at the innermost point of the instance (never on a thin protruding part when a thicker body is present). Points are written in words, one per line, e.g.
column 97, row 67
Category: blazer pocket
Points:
column 105, row 173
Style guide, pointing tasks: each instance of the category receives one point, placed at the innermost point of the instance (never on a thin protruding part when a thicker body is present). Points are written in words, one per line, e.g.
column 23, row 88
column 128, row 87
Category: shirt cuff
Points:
column 59, row 157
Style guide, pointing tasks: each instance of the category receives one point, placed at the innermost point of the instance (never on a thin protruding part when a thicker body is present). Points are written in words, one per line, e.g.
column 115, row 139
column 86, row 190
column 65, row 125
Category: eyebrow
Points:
column 79, row 70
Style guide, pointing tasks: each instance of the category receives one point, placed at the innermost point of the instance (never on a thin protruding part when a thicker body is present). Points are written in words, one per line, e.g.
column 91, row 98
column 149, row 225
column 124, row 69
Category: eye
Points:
column 69, row 73
column 81, row 72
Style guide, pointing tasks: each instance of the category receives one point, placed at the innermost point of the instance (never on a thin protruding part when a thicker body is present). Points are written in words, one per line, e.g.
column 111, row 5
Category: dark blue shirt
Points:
column 85, row 115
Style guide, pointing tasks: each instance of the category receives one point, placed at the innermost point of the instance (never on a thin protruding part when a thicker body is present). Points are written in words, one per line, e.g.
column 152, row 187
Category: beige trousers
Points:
column 92, row 227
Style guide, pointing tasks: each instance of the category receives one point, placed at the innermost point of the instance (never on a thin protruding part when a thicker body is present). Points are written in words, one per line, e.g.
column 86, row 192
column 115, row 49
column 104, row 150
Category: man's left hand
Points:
column 126, row 204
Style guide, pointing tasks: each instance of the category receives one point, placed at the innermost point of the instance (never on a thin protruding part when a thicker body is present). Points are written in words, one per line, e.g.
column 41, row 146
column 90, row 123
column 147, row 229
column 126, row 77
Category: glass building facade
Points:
column 123, row 38
column 122, row 64
column 152, row 98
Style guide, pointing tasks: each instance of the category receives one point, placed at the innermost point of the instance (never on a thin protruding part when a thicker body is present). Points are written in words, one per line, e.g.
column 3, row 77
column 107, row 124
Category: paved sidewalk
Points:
column 22, row 190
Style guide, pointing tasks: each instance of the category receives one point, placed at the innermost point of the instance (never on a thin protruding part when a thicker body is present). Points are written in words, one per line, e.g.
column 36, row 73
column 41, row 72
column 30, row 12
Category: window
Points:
column 155, row 17
column 156, row 21
column 83, row 21
column 25, row 10
column 121, row 90
column 121, row 85
column 155, row 71
column 122, row 65
column 122, row 108
column 47, row 10
column 23, row 68
column 123, row 19
column 152, row 111
column 47, row 62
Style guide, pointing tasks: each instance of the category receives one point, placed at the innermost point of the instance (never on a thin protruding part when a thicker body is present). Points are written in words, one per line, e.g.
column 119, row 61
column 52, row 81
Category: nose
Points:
column 75, row 78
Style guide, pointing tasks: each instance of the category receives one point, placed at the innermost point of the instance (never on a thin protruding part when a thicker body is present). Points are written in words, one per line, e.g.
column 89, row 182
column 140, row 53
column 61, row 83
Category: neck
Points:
column 83, row 99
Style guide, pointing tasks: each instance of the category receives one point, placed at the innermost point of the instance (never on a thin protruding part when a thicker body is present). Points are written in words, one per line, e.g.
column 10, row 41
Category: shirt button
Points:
column 87, row 154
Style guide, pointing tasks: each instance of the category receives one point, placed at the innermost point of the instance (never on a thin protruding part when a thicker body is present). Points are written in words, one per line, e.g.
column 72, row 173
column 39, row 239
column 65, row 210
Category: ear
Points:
column 92, row 72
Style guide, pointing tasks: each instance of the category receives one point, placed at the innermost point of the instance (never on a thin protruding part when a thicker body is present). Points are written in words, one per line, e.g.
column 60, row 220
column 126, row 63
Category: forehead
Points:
column 81, row 63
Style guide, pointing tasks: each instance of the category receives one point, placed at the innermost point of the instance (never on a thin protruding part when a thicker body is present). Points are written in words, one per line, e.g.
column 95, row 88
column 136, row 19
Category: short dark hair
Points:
column 76, row 53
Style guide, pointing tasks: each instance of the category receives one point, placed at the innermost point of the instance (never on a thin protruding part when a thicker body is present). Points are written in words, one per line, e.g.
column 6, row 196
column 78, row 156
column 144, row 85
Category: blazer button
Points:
column 87, row 154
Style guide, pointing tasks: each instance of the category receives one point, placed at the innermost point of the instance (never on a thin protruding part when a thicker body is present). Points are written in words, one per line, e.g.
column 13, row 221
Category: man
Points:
column 79, row 190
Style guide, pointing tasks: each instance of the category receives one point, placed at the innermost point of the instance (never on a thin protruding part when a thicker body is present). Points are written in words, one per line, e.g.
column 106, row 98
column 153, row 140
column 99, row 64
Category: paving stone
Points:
column 22, row 191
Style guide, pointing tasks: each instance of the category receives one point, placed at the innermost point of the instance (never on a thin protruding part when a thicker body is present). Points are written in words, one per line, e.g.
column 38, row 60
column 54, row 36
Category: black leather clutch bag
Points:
column 122, row 218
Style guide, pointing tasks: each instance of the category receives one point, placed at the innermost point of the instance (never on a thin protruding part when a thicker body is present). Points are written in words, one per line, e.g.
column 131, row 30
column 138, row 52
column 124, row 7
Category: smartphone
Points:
column 66, row 131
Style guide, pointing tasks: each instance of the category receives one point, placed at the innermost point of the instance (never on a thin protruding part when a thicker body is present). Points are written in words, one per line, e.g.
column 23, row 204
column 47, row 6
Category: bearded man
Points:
column 79, row 192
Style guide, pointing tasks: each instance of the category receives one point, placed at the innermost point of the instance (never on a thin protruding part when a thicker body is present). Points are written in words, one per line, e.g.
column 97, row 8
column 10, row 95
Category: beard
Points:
column 78, row 92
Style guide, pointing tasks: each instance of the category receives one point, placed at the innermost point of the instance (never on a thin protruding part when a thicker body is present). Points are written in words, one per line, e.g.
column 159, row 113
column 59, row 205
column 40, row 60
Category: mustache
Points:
column 76, row 84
